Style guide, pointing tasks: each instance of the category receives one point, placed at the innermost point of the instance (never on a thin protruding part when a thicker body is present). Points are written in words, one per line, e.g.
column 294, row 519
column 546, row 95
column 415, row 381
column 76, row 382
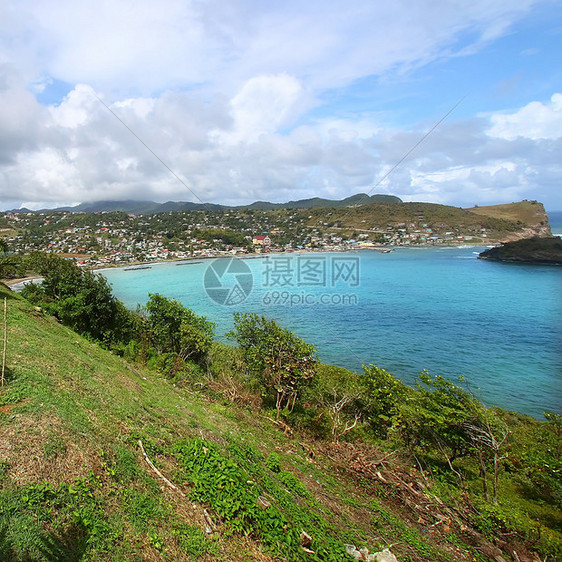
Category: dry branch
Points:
column 158, row 473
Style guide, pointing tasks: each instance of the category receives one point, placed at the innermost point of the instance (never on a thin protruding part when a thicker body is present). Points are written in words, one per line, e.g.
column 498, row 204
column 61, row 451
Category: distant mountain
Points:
column 130, row 206
column 359, row 199
column 151, row 207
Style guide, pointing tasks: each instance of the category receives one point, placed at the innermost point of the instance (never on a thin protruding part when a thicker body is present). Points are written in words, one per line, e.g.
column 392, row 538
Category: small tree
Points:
column 173, row 328
column 338, row 392
column 384, row 395
column 447, row 418
column 281, row 361
column 488, row 437
column 8, row 265
column 79, row 298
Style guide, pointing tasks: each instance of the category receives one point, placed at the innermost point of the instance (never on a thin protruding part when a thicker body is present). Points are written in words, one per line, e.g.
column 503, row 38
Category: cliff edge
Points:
column 531, row 215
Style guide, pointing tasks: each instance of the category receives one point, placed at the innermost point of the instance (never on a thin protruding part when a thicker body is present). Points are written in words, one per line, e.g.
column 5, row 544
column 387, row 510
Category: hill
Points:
column 502, row 222
column 531, row 250
column 315, row 202
column 101, row 459
column 529, row 213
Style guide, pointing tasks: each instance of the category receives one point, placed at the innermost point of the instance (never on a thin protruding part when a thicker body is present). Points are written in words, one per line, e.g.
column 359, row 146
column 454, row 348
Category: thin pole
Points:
column 5, row 338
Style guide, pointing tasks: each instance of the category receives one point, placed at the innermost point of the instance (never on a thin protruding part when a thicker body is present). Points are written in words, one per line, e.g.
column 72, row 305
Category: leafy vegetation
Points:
column 172, row 328
column 281, row 362
column 79, row 298
column 361, row 459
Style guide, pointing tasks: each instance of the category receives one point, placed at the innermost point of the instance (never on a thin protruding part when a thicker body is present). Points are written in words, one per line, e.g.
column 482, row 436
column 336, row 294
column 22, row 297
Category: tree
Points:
column 282, row 362
column 339, row 394
column 384, row 395
column 173, row 328
column 447, row 418
column 8, row 264
column 79, row 298
column 488, row 436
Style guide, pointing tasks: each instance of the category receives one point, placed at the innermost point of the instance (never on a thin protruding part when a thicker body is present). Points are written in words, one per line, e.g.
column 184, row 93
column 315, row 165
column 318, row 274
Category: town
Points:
column 120, row 238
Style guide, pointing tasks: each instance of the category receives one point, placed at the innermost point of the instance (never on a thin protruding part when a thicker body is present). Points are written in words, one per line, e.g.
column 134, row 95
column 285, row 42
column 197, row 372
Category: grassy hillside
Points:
column 414, row 215
column 528, row 212
column 74, row 484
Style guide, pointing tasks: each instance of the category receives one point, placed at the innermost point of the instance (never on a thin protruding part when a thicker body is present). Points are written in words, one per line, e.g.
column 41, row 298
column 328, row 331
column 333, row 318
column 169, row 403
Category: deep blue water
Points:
column 498, row 325
column 555, row 221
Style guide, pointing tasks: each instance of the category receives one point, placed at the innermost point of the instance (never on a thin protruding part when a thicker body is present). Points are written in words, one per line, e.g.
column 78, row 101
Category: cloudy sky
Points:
column 278, row 100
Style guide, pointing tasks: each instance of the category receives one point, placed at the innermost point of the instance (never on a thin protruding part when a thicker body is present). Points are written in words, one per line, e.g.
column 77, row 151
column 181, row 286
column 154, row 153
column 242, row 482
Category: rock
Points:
column 533, row 250
column 385, row 556
column 306, row 539
column 363, row 554
column 264, row 503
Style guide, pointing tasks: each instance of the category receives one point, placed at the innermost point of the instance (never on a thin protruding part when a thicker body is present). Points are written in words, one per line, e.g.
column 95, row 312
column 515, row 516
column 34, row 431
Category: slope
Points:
column 530, row 213
column 74, row 484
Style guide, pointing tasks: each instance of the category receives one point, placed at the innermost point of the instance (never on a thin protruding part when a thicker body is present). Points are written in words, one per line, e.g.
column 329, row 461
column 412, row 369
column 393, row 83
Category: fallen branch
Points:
column 287, row 429
column 160, row 475
column 380, row 461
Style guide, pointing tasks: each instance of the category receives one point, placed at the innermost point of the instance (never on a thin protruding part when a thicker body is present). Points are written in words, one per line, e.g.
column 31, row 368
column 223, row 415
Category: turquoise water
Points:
column 498, row 325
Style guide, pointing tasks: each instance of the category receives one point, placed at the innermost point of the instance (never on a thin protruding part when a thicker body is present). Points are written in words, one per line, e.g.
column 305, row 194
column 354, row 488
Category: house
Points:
column 261, row 241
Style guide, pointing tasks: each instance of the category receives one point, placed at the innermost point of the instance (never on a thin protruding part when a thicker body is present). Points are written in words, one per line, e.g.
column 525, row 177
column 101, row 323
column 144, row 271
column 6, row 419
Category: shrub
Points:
column 281, row 362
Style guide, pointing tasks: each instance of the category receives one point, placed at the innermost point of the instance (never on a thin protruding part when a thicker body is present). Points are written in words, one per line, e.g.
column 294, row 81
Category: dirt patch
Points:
column 36, row 450
column 6, row 409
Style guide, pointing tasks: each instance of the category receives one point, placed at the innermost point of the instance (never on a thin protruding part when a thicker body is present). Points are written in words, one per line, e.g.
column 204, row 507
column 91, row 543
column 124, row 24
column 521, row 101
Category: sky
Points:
column 456, row 102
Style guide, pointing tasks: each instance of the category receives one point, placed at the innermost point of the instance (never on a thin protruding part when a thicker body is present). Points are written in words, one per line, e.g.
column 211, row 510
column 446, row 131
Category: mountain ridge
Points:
column 151, row 207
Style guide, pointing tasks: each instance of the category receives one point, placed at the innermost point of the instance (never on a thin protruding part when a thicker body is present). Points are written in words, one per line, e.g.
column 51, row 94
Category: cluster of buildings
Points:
column 98, row 239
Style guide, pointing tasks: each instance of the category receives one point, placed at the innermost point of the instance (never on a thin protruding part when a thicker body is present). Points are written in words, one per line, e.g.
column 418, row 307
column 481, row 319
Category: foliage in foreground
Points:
column 281, row 361
column 505, row 467
column 237, row 483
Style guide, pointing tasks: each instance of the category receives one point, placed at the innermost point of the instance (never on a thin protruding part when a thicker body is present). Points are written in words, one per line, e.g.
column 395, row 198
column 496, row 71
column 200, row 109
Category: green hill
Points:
column 75, row 484
column 506, row 222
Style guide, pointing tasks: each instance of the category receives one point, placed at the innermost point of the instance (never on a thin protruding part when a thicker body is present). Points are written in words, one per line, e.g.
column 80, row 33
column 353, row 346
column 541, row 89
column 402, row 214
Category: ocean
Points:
column 555, row 221
column 413, row 309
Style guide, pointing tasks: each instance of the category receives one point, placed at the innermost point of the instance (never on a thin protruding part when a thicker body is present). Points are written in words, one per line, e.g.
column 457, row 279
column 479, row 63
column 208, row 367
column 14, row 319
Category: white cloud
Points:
column 146, row 47
column 84, row 153
column 534, row 121
column 19, row 115
column 264, row 105
column 76, row 108
column 224, row 93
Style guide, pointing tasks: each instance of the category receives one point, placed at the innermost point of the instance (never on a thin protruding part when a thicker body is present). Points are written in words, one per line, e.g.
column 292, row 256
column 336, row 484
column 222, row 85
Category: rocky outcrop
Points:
column 531, row 250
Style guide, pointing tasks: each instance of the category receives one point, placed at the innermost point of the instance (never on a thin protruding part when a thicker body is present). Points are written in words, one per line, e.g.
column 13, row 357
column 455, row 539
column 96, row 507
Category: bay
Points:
column 497, row 325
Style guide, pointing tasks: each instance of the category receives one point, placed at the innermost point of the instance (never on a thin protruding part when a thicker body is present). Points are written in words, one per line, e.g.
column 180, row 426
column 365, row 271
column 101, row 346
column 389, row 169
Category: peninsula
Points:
column 531, row 250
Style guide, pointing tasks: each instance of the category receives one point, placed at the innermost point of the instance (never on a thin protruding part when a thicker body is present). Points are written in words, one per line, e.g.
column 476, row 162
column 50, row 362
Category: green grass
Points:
column 75, row 486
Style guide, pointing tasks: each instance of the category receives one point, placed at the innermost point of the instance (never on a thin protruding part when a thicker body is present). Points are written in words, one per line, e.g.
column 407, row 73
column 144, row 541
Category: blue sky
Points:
column 251, row 100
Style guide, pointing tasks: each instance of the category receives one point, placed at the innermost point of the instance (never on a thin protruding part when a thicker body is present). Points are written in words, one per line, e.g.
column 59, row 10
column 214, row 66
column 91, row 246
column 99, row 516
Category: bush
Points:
column 281, row 362
column 80, row 299
column 384, row 394
column 173, row 328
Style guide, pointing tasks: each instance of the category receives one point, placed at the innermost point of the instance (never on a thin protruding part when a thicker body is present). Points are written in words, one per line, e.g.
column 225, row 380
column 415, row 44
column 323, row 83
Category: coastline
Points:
column 253, row 255
column 18, row 280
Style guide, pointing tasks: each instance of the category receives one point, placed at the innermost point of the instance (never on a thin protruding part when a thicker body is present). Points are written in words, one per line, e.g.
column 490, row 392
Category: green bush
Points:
column 281, row 362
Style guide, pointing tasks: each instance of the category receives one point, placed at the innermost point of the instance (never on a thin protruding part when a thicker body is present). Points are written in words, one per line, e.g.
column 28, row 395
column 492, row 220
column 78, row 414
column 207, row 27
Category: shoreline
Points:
column 381, row 249
column 18, row 280
column 139, row 264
